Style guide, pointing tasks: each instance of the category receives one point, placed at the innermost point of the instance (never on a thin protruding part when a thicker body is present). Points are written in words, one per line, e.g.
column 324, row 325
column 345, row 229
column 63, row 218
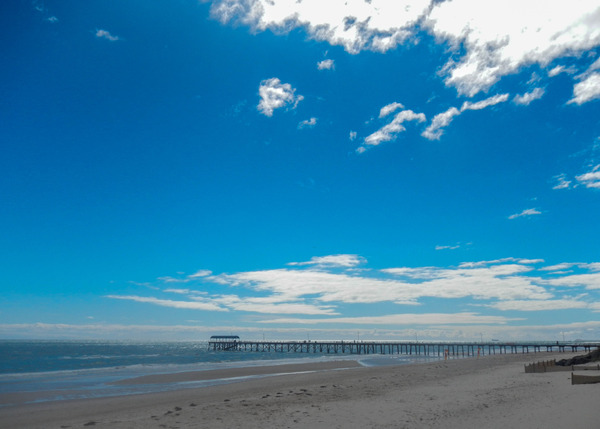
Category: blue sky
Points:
column 383, row 169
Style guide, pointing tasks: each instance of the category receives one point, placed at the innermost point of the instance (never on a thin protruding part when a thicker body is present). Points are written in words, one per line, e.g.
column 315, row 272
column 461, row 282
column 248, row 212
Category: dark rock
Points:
column 581, row 360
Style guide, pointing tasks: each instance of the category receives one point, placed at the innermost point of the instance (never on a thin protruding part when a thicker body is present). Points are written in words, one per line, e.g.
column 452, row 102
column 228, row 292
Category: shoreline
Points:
column 239, row 372
column 491, row 391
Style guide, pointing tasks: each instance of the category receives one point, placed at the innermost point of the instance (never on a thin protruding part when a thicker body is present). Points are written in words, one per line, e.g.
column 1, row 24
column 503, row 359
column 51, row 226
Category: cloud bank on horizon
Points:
column 493, row 295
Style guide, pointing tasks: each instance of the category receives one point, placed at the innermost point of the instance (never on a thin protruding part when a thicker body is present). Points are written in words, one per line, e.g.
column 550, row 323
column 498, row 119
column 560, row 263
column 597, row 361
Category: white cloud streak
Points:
column 590, row 179
column 390, row 108
column 440, row 121
column 103, row 34
column 307, row 123
column 525, row 213
column 188, row 305
column 333, row 290
column 528, row 97
column 344, row 260
column 404, row 319
column 541, row 305
column 391, row 130
column 561, row 182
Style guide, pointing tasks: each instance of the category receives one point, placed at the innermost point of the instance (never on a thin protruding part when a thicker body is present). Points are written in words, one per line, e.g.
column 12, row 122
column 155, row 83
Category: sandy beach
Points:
column 489, row 392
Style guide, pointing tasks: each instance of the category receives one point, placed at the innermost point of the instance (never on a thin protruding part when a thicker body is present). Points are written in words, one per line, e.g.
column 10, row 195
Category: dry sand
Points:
column 489, row 392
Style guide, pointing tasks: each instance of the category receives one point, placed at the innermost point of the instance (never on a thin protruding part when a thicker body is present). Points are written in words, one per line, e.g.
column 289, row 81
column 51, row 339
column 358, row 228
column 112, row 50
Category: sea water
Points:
column 36, row 371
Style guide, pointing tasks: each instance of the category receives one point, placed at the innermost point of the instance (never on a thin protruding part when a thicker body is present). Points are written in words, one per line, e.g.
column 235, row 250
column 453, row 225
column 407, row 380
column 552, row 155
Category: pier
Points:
column 415, row 348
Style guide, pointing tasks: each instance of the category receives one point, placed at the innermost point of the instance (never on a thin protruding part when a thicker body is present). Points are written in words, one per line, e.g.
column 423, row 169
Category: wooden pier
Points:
column 450, row 349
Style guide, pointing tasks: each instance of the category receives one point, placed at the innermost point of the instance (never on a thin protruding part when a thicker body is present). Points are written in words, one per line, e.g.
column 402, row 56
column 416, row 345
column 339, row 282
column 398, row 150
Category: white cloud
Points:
column 326, row 65
column 590, row 179
column 271, row 305
column 307, row 123
column 357, row 25
column 540, row 305
column 562, row 182
column 178, row 291
column 440, row 121
column 390, row 108
column 590, row 281
column 391, row 130
column 525, row 213
column 528, row 97
column 333, row 261
column 328, row 285
column 52, row 19
column 352, row 136
column 504, row 282
column 500, row 261
column 555, row 71
column 405, row 319
column 457, row 246
column 491, row 101
column 499, row 37
column 103, row 34
column 488, row 39
column 586, row 90
column 275, row 95
column 200, row 273
column 558, row 267
column 188, row 305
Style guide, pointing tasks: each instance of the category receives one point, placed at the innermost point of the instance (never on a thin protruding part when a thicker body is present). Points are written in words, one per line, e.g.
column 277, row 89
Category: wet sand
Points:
column 489, row 392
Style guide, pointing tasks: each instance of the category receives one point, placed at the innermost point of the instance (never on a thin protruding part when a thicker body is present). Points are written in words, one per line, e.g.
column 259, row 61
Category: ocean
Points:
column 38, row 371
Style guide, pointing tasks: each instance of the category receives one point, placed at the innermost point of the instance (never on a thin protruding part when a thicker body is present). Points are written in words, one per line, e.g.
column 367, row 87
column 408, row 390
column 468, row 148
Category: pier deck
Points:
column 402, row 347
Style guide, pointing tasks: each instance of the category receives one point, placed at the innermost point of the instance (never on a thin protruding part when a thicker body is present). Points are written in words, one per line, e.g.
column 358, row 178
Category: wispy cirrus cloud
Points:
column 525, row 213
column 440, row 121
column 529, row 97
column 104, row 34
column 544, row 305
column 590, row 179
column 344, row 260
column 337, row 290
column 276, row 95
column 447, row 247
column 307, row 123
column 390, row 131
column 188, row 305
column 561, row 182
column 405, row 319
column 390, row 108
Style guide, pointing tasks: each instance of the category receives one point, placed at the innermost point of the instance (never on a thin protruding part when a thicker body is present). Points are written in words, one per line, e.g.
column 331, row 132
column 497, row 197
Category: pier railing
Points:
column 450, row 349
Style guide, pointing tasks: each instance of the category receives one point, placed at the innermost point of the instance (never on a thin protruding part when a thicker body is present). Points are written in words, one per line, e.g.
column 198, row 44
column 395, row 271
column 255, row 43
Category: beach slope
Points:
column 489, row 392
